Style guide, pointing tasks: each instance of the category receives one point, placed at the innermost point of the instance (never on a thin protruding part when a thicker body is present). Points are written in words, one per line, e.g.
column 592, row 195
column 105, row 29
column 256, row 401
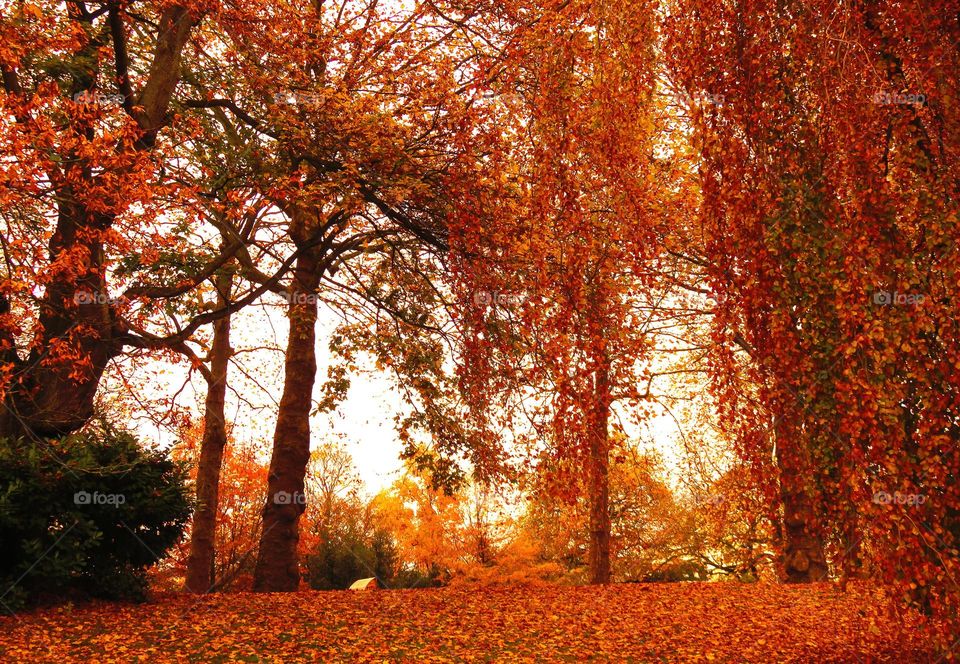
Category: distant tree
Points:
column 426, row 523
column 649, row 528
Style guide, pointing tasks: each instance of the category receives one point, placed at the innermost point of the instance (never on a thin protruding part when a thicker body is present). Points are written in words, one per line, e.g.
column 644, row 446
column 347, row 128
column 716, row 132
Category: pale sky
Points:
column 364, row 422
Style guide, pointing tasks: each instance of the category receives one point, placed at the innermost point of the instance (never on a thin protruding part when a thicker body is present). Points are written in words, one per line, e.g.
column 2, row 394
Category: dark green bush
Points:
column 339, row 560
column 343, row 557
column 681, row 570
column 412, row 577
column 85, row 515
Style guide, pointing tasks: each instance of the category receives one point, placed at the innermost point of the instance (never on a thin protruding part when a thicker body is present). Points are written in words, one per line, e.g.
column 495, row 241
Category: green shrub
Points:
column 681, row 570
column 342, row 558
column 85, row 515
column 413, row 577
column 339, row 560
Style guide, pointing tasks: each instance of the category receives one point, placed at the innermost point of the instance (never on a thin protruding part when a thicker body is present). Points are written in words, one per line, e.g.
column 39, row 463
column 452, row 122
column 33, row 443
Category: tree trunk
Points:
column 200, row 564
column 803, row 554
column 599, row 554
column 852, row 558
column 277, row 566
column 54, row 394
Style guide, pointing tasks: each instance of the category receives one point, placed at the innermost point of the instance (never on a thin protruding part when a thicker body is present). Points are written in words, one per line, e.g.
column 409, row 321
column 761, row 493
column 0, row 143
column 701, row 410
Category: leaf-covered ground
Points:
column 642, row 623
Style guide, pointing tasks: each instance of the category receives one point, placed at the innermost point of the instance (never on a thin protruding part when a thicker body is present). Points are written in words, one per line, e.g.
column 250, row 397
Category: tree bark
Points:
column 599, row 553
column 200, row 564
column 54, row 394
column 804, row 560
column 277, row 568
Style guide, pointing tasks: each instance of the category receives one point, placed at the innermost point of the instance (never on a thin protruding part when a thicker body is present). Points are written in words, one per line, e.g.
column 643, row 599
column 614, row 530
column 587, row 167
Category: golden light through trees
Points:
column 664, row 291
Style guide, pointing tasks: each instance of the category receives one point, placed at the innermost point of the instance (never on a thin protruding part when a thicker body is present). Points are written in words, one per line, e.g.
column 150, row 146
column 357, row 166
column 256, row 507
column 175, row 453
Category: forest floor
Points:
column 686, row 622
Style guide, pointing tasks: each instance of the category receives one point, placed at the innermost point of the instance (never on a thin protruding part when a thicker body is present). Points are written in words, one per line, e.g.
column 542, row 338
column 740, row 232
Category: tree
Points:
column 241, row 483
column 649, row 528
column 558, row 277
column 426, row 524
column 399, row 158
column 84, row 160
column 828, row 176
column 202, row 562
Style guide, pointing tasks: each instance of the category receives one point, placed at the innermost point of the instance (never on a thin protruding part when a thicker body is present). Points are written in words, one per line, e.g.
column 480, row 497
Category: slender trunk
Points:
column 277, row 566
column 8, row 359
column 200, row 564
column 803, row 553
column 852, row 558
column 599, row 554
